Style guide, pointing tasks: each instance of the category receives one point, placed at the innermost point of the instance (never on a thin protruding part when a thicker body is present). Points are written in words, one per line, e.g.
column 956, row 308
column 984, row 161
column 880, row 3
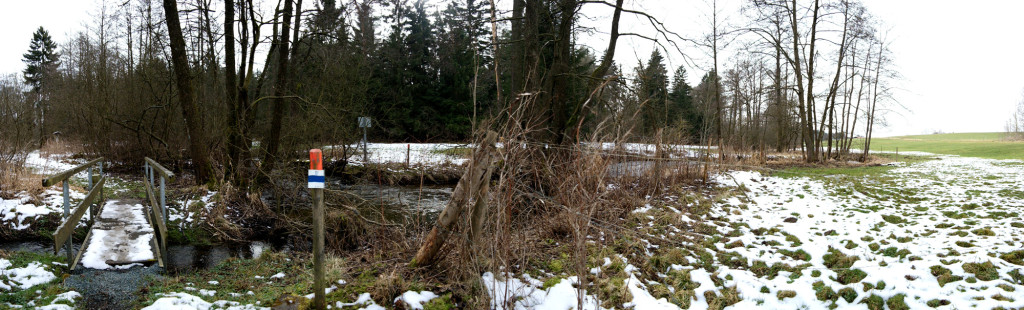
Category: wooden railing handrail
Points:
column 64, row 175
column 157, row 218
column 160, row 169
column 64, row 231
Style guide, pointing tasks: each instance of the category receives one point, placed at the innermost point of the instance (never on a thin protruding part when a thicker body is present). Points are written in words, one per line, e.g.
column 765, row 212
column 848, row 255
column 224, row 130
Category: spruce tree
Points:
column 652, row 87
column 682, row 112
column 41, row 59
column 40, row 62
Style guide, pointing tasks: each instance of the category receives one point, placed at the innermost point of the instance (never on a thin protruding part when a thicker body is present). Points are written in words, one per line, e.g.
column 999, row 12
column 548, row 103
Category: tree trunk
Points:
column 231, row 92
column 189, row 110
column 476, row 174
column 280, row 86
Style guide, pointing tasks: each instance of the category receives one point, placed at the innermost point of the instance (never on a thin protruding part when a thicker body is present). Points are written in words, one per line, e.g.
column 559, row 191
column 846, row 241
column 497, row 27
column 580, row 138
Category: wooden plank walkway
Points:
column 121, row 237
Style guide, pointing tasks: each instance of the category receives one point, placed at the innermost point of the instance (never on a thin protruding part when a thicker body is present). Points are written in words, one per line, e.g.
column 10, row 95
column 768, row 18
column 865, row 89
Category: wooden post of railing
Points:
column 62, row 236
column 154, row 169
column 89, row 190
column 67, row 212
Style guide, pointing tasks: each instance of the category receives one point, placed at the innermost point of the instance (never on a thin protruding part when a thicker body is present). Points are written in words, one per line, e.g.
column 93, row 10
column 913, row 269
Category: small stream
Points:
column 396, row 201
column 414, row 198
column 184, row 258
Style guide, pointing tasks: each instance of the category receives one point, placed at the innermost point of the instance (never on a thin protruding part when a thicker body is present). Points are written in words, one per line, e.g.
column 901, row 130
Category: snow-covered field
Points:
column 418, row 154
column 944, row 233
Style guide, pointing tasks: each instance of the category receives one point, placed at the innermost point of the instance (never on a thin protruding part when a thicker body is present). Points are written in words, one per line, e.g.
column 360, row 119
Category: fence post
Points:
column 91, row 216
column 316, row 189
column 67, row 209
column 102, row 201
column 163, row 198
column 407, row 149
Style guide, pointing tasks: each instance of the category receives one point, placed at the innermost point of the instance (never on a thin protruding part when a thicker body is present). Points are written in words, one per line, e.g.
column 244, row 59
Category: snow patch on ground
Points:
column 25, row 277
column 415, row 300
column 509, row 292
column 185, row 301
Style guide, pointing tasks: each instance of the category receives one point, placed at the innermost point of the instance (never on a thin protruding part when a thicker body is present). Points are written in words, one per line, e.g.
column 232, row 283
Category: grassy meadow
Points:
column 981, row 144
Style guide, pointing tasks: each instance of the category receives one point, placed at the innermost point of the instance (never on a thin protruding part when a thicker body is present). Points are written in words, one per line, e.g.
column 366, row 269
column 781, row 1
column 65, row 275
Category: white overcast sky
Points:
column 962, row 61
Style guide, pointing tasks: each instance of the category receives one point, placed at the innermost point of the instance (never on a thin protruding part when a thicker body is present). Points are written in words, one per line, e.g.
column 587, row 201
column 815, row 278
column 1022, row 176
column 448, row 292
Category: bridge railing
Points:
column 62, row 236
column 158, row 215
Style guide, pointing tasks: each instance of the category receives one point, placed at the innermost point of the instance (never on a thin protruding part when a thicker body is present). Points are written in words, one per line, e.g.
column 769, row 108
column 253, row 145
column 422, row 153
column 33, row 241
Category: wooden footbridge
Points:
column 121, row 232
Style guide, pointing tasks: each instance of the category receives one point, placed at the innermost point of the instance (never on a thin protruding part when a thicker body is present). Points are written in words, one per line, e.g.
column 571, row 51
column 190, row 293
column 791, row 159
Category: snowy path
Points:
column 121, row 234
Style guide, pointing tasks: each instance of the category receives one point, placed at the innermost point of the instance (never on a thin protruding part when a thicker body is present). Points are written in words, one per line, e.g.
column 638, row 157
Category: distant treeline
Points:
column 807, row 75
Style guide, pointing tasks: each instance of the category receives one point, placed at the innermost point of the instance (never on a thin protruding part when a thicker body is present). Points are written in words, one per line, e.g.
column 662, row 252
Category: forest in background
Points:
column 196, row 90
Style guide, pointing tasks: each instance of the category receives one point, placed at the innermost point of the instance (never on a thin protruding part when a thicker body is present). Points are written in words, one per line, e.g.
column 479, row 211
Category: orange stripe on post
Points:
column 316, row 159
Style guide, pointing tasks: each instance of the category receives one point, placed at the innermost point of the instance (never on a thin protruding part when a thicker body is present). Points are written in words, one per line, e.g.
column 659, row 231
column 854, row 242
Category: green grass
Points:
column 38, row 295
column 984, row 145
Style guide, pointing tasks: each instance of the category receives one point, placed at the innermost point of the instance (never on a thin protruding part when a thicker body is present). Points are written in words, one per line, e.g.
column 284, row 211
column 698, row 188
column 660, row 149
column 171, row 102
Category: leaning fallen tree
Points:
column 474, row 184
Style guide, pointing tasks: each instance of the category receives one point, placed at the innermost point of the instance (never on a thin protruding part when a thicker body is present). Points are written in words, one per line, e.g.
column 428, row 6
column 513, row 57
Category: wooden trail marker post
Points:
column 316, row 189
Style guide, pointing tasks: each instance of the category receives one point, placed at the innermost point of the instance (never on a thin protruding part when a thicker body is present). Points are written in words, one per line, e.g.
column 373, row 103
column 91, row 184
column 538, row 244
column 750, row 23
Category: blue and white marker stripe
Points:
column 316, row 179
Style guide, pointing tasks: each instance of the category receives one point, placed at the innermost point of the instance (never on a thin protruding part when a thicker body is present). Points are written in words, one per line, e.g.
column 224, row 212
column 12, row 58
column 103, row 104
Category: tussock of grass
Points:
column 785, row 294
column 944, row 275
column 1000, row 297
column 762, row 270
column 984, row 232
column 799, row 254
column 867, row 286
column 895, row 219
column 1006, row 287
column 935, row 303
column 848, row 294
column 897, row 302
column 895, row 252
column 793, row 240
column 824, row 292
column 1015, row 257
column 964, row 244
column 874, row 302
column 728, row 297
column 983, row 271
